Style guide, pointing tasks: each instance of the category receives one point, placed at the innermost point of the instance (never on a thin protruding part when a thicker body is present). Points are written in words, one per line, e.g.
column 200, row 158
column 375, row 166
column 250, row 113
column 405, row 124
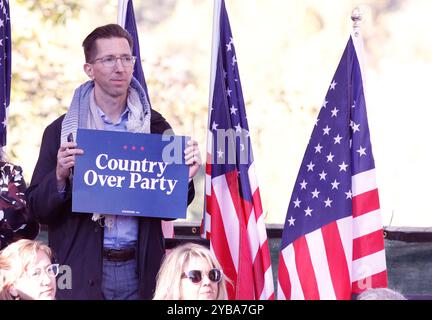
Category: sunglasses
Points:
column 196, row 276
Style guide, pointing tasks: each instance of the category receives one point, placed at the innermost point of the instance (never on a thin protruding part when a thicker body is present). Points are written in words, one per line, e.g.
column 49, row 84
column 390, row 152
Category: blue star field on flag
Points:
column 339, row 148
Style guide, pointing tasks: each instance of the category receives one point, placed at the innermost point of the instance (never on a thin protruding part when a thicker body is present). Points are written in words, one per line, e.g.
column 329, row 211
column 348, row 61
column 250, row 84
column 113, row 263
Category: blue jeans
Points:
column 120, row 280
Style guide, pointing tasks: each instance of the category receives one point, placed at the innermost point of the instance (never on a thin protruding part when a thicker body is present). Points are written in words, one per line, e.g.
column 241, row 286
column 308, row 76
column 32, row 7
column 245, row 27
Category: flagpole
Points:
column 213, row 64
column 215, row 48
column 356, row 17
column 121, row 12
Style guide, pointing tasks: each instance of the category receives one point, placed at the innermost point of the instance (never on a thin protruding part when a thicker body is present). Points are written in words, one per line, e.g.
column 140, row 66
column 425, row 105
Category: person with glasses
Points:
column 26, row 271
column 111, row 257
column 190, row 272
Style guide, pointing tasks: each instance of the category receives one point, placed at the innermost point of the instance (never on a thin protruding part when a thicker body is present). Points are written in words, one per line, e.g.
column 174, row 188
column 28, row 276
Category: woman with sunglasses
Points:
column 26, row 272
column 190, row 272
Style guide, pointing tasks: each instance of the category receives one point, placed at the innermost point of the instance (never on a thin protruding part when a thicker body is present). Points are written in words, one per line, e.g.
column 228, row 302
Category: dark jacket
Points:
column 76, row 240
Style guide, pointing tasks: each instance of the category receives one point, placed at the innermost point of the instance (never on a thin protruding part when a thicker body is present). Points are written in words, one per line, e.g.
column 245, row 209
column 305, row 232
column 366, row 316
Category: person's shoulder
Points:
column 56, row 124
column 58, row 121
column 158, row 122
column 156, row 116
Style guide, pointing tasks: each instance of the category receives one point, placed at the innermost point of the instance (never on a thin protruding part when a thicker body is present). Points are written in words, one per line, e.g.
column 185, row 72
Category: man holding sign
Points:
column 111, row 256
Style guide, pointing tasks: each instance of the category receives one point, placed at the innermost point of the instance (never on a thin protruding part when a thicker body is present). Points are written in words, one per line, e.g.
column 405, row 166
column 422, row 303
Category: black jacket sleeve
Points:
column 44, row 201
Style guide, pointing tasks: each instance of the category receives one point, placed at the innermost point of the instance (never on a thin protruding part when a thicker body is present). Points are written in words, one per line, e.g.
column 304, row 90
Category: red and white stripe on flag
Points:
column 167, row 229
column 344, row 257
column 238, row 237
column 233, row 219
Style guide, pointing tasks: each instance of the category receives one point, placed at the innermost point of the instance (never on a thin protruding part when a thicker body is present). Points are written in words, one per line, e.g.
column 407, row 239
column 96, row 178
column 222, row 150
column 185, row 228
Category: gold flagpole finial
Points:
column 356, row 17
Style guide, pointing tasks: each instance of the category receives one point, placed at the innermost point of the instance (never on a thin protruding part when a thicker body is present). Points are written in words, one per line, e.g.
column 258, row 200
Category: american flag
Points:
column 5, row 67
column 332, row 244
column 126, row 18
column 233, row 219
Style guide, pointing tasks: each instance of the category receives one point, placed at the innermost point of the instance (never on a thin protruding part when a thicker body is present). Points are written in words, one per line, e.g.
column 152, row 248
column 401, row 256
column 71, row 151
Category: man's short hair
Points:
column 104, row 32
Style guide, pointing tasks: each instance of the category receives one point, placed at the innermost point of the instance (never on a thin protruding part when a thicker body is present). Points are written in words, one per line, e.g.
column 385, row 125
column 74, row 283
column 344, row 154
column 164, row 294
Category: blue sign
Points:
column 133, row 174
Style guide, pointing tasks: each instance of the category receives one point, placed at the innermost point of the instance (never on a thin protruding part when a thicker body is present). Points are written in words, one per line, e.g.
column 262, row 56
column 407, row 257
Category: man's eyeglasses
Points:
column 36, row 273
column 196, row 276
column 111, row 61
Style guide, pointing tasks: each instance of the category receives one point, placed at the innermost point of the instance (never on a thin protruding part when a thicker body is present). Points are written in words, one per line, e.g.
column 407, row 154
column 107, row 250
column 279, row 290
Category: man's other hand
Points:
column 192, row 158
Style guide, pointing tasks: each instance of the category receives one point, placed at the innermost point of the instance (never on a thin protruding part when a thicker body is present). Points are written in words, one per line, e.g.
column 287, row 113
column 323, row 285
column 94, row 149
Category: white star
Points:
column 1, row 23
column 220, row 153
column 328, row 202
column 362, row 151
column 242, row 147
column 310, row 166
column 291, row 221
column 229, row 44
column 335, row 184
column 323, row 175
column 324, row 105
column 343, row 166
column 308, row 211
column 316, row 122
column 334, row 112
column 355, row 127
column 225, row 74
column 333, row 85
column 214, row 125
column 238, row 128
column 234, row 60
column 330, row 157
column 326, row 130
column 297, row 203
column 315, row 193
column 349, row 194
column 233, row 109
column 303, row 185
column 228, row 92
column 5, row 122
column 318, row 148
column 337, row 139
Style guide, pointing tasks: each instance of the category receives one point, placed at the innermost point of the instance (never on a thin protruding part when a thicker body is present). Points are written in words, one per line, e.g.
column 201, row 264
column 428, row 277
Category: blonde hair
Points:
column 380, row 294
column 169, row 276
column 14, row 260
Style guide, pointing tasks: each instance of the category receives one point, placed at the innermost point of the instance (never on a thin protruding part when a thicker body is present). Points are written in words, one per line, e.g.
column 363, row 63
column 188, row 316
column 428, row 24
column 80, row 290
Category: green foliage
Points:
column 53, row 11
